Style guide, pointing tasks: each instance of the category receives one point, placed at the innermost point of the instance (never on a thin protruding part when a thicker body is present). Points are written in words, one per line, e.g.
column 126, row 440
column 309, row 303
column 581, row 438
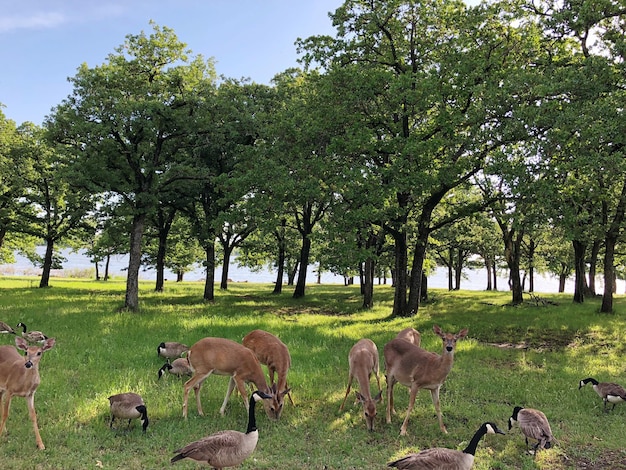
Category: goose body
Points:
column 178, row 367
column 534, row 424
column 225, row 448
column 128, row 406
column 441, row 458
column 171, row 349
column 6, row 329
column 609, row 392
column 31, row 336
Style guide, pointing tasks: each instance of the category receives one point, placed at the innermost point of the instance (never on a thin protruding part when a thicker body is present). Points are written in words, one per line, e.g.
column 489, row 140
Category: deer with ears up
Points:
column 19, row 376
column 223, row 356
column 272, row 352
column 417, row 368
column 363, row 361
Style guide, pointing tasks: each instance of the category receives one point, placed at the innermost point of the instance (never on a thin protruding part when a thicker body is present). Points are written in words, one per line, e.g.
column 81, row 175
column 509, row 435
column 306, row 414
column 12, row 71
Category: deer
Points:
column 223, row 356
column 417, row 368
column 274, row 354
column 363, row 361
column 19, row 376
column 411, row 335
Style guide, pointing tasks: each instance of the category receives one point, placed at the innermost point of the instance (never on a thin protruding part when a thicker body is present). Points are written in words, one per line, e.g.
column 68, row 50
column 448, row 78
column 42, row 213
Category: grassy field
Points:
column 532, row 356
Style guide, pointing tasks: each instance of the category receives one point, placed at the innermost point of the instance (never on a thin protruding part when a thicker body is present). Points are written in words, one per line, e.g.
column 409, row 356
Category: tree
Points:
column 435, row 88
column 128, row 121
column 50, row 208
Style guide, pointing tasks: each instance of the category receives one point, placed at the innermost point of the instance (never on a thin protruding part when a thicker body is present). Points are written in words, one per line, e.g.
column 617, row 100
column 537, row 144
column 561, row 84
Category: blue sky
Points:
column 45, row 41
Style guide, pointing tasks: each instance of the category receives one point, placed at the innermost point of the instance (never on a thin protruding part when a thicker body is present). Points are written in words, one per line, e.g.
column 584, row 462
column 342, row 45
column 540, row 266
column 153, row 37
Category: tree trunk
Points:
column 179, row 275
column 400, row 275
column 488, row 268
column 134, row 263
column 590, row 288
column 368, row 286
column 450, row 270
column 579, row 264
column 106, row 268
column 209, row 279
column 160, row 261
column 417, row 269
column 305, row 252
column 228, row 250
column 458, row 270
column 97, row 271
column 562, row 279
column 609, row 275
column 280, row 264
column 47, row 263
column 532, row 247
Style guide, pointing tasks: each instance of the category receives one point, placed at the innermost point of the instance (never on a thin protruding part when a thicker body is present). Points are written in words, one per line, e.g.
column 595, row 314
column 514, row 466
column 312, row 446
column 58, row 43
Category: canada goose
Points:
column 441, row 458
column 534, row 424
column 225, row 448
column 4, row 328
column 179, row 367
column 608, row 391
column 32, row 336
column 128, row 406
column 171, row 350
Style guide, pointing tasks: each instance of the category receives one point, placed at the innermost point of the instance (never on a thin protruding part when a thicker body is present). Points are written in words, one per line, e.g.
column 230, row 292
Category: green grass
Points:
column 527, row 355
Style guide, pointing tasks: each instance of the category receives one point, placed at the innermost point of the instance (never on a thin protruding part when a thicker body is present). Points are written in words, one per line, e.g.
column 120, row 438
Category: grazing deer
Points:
column 416, row 368
column 19, row 376
column 363, row 361
column 272, row 352
column 411, row 335
column 224, row 357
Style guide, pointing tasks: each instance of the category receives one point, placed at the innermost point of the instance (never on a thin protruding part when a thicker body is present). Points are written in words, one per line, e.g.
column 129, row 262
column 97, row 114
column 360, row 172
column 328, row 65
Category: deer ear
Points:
column 462, row 333
column 437, row 330
column 359, row 397
column 21, row 343
column 48, row 344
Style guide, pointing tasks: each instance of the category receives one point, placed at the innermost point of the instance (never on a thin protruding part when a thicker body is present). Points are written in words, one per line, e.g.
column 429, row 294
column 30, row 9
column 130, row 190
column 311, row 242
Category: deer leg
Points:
column 434, row 393
column 5, row 409
column 229, row 390
column 30, row 401
column 391, row 381
column 347, row 392
column 412, row 395
column 196, row 383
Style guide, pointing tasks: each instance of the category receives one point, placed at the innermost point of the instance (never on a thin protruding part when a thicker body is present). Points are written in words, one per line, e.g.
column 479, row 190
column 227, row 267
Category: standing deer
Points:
column 19, row 376
column 416, row 368
column 272, row 352
column 411, row 335
column 363, row 361
column 224, row 357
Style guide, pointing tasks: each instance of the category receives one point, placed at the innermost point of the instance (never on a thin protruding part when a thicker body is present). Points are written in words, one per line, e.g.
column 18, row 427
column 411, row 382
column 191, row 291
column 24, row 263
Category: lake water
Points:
column 78, row 262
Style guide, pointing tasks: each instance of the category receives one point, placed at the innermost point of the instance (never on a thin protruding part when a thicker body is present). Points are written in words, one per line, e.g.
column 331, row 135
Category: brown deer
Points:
column 416, row 368
column 363, row 361
column 19, row 376
column 224, row 357
column 411, row 335
column 272, row 352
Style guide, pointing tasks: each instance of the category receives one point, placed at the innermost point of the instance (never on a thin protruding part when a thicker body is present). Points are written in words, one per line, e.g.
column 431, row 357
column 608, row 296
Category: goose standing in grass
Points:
column 441, row 458
column 179, row 367
column 534, row 424
column 128, row 406
column 171, row 349
column 225, row 448
column 6, row 329
column 608, row 391
column 31, row 336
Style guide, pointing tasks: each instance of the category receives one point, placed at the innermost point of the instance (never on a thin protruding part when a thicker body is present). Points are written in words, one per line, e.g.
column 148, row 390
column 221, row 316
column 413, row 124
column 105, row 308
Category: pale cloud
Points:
column 32, row 21
column 70, row 12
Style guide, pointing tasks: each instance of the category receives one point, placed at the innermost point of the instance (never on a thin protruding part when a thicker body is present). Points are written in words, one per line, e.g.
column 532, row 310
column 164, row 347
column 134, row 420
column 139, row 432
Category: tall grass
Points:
column 528, row 355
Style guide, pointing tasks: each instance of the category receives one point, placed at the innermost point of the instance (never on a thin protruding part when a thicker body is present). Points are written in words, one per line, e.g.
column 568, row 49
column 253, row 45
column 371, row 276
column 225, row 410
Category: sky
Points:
column 45, row 41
